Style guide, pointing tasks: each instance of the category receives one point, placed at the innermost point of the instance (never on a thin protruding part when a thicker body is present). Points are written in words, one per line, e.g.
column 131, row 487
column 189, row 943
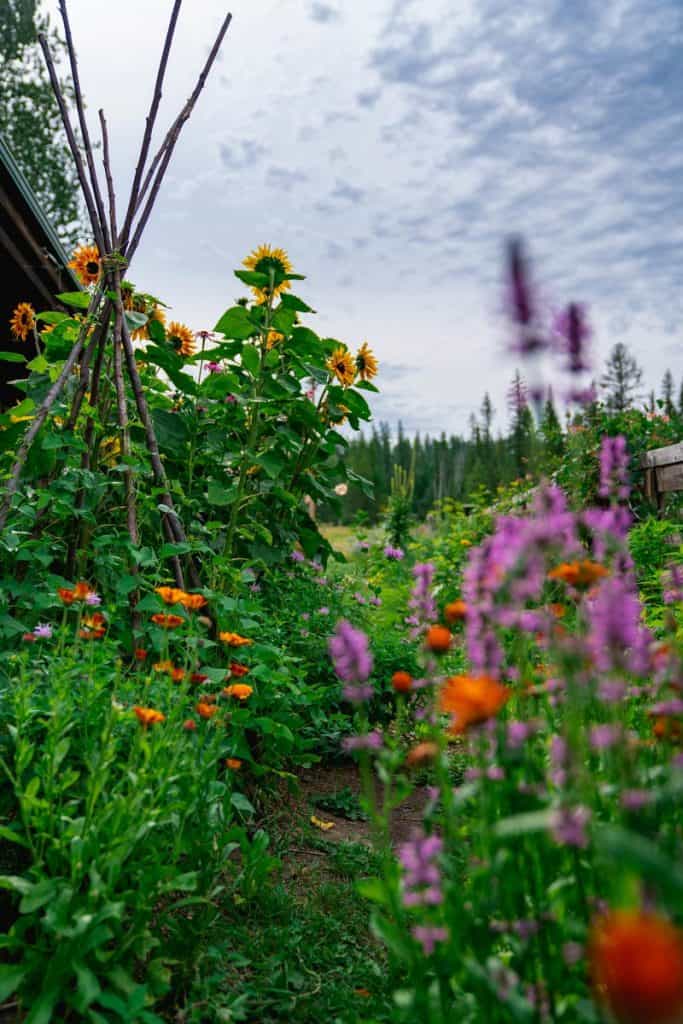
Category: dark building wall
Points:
column 32, row 265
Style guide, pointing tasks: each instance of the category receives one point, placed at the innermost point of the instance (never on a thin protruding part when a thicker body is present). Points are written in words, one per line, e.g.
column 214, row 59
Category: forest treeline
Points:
column 452, row 466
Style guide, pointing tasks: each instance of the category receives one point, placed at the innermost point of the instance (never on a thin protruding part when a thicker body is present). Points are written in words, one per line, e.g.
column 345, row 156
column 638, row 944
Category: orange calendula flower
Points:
column 636, row 962
column 205, row 710
column 66, row 596
column 233, row 763
column 167, row 621
column 193, row 602
column 23, row 321
column 422, row 753
column 92, row 627
column 163, row 666
column 455, row 611
column 670, row 729
column 85, row 263
column 198, row 678
column 148, row 716
column 438, row 639
column 170, row 595
column 177, row 674
column 234, row 639
column 402, row 682
column 189, row 725
column 341, row 364
column 471, row 700
column 578, row 574
column 81, row 591
column 238, row 670
column 558, row 610
column 140, row 654
column 181, row 339
column 241, row 691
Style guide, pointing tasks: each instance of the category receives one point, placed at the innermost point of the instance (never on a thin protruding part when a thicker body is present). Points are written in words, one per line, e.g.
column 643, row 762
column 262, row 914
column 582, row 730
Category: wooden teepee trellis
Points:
column 116, row 248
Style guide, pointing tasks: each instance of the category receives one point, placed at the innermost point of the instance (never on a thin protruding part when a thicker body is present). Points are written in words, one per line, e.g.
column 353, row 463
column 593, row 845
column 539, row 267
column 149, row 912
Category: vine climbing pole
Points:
column 104, row 333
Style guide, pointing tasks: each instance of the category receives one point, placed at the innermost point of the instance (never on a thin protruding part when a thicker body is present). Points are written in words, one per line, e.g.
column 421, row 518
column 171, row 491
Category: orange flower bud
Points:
column 167, row 621
column 422, row 754
column 148, row 716
column 438, row 639
column 402, row 682
column 636, row 961
column 455, row 611
column 206, row 710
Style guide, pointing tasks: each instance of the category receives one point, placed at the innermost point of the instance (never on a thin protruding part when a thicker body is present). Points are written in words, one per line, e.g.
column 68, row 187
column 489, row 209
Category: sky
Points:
column 391, row 147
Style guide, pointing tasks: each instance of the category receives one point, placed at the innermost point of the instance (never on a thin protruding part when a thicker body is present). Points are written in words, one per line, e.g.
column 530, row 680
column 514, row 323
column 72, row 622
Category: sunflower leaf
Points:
column 253, row 278
column 288, row 301
column 236, row 323
column 79, row 300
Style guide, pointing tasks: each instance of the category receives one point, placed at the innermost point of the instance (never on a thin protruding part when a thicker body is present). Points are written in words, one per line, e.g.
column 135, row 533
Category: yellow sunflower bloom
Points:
column 342, row 365
column 181, row 338
column 274, row 338
column 366, row 362
column 85, row 263
column 23, row 321
column 262, row 260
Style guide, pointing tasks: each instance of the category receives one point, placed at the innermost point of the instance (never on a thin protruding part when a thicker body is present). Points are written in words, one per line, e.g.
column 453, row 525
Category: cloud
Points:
column 324, row 13
column 284, row 179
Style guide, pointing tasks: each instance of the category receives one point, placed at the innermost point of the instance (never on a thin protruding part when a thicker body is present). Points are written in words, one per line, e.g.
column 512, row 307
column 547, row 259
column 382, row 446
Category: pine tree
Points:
column 668, row 393
column 29, row 117
column 621, row 380
column 551, row 432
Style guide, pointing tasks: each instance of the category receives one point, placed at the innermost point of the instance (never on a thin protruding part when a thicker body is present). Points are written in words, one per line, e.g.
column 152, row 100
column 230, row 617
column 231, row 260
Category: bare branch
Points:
column 122, row 242
column 165, row 151
column 106, row 163
column 80, row 107
column 73, row 145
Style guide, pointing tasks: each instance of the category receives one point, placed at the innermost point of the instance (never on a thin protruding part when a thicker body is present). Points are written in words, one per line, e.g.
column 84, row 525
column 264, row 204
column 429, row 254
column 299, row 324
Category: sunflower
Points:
column 152, row 312
column 85, row 263
column 181, row 338
column 262, row 261
column 366, row 363
column 343, row 367
column 23, row 321
column 274, row 338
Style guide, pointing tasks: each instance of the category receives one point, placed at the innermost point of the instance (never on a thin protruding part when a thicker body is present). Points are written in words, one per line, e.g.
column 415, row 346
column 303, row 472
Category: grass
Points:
column 305, row 953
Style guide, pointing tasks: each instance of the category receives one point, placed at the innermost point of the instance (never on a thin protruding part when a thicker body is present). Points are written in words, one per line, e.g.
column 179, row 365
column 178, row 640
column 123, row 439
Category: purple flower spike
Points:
column 297, row 556
column 428, row 936
column 43, row 631
column 422, row 875
column 93, row 599
column 574, row 332
column 394, row 554
column 368, row 741
column 350, row 653
column 614, row 468
column 569, row 826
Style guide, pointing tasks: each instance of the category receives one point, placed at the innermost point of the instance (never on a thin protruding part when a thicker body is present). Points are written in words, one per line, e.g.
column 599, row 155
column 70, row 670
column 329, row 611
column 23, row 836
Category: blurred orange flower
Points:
column 455, row 611
column 193, row 602
column 92, row 627
column 422, row 753
column 238, row 670
column 438, row 639
column 234, row 639
column 206, row 710
column 636, row 961
column 239, row 690
column 578, row 574
column 148, row 716
column 163, row 666
column 81, row 591
column 233, row 763
column 170, row 595
column 65, row 595
column 140, row 654
column 471, row 700
column 402, row 682
column 167, row 621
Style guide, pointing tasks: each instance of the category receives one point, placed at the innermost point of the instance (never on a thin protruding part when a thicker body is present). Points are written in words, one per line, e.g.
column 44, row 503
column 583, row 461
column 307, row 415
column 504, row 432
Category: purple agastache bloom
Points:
column 559, row 761
column 297, row 556
column 376, row 601
column 635, row 799
column 363, row 545
column 43, row 631
column 495, row 773
column 520, row 303
column 323, row 610
column 602, row 737
column 255, row 588
column 569, row 826
column 582, row 396
column 573, row 330
column 394, row 554
column 428, row 936
column 305, row 633
column 616, row 638
column 367, row 741
column 357, row 694
column 421, row 603
column 305, row 616
column 411, row 620
column 322, row 581
column 421, row 872
column 359, row 597
column 518, row 733
column 614, row 462
column 350, row 653
column 612, row 691
column 668, row 708
column 214, row 367
column 524, row 928
column 93, row 599
column 673, row 580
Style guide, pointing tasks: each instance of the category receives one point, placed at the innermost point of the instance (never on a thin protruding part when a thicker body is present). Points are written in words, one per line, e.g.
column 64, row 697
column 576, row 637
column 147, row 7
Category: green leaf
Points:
column 12, row 357
column 135, row 320
column 241, row 804
column 11, row 976
column 522, row 824
column 288, row 301
column 236, row 323
column 171, row 429
column 636, row 853
column 219, row 495
column 78, row 300
column 88, row 986
column 284, row 320
column 40, row 894
column 12, row 837
column 51, row 317
column 251, row 359
column 156, row 331
column 253, row 278
column 273, row 462
column 38, row 365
